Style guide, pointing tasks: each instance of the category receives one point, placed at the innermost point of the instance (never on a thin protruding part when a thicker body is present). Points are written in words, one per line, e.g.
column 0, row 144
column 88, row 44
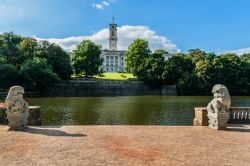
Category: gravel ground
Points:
column 125, row 145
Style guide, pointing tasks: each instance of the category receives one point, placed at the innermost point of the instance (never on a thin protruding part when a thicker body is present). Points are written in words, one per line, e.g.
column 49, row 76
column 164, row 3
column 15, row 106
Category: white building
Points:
column 114, row 60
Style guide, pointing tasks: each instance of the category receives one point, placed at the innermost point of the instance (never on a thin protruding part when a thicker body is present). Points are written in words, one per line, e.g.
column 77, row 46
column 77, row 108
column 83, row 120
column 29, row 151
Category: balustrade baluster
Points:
column 246, row 115
column 238, row 115
column 234, row 115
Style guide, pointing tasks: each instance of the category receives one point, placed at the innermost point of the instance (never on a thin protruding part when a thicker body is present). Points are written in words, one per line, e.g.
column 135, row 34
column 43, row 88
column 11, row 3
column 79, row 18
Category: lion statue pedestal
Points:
column 218, row 121
column 17, row 109
column 218, row 108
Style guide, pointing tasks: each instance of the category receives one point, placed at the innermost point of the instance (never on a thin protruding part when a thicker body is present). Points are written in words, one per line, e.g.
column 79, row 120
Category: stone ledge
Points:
column 34, row 115
column 201, row 118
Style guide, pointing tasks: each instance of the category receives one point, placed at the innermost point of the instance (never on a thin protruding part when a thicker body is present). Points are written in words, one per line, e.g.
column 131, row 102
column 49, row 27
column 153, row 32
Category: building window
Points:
column 107, row 65
column 107, row 57
column 122, row 63
column 111, row 58
column 122, row 58
column 116, row 57
column 107, row 69
column 111, row 69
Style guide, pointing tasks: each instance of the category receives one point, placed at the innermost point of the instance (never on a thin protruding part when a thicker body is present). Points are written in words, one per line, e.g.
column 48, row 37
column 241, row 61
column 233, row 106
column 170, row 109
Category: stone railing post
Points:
column 200, row 118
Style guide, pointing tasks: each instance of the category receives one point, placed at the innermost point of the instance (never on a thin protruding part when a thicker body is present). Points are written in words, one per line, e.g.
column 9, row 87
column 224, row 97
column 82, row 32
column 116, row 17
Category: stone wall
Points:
column 97, row 87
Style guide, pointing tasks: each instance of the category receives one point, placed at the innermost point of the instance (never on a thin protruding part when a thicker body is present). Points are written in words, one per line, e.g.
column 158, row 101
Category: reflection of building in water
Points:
column 113, row 59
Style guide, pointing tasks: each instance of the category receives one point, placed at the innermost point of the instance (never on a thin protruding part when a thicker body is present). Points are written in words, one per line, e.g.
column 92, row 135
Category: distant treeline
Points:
column 38, row 64
column 31, row 63
column 194, row 73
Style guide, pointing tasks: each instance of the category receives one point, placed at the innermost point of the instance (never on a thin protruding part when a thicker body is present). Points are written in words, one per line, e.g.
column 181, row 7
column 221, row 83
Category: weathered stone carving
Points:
column 17, row 109
column 218, row 108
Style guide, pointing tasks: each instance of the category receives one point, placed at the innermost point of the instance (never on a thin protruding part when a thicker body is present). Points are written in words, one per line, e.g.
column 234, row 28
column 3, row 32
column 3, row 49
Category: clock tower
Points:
column 113, row 35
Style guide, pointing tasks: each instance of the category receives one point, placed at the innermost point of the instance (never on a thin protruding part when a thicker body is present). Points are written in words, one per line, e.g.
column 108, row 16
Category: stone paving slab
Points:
column 125, row 145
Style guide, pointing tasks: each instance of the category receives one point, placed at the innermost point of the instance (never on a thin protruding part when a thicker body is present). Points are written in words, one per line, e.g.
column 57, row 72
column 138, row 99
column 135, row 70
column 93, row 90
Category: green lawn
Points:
column 116, row 76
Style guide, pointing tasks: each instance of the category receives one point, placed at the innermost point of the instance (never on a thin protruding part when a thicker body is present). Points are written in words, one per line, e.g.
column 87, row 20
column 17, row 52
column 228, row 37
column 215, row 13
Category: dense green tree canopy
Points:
column 27, row 48
column 17, row 50
column 196, row 54
column 38, row 74
column 177, row 67
column 56, row 57
column 144, row 64
column 153, row 69
column 137, row 52
column 8, row 74
column 42, row 63
column 160, row 51
column 9, row 52
column 230, row 71
column 87, row 58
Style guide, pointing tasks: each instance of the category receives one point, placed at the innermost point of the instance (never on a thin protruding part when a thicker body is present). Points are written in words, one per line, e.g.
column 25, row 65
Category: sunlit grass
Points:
column 116, row 76
column 110, row 76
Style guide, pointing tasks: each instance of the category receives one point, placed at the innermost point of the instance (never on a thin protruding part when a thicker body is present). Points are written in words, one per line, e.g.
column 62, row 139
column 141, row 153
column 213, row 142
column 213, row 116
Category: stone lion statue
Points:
column 218, row 108
column 17, row 108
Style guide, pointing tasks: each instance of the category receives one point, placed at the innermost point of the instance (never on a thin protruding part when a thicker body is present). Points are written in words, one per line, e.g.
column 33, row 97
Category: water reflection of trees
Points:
column 85, row 110
column 132, row 110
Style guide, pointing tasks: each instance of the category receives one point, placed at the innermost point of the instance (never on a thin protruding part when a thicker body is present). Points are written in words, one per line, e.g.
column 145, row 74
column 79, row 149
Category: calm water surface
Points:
column 139, row 110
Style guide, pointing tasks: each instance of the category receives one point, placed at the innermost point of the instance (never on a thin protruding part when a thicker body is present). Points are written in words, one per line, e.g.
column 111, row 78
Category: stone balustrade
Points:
column 237, row 115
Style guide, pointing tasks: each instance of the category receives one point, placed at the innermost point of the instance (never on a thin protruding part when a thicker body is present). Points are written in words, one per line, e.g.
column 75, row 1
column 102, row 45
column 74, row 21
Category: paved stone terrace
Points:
column 125, row 145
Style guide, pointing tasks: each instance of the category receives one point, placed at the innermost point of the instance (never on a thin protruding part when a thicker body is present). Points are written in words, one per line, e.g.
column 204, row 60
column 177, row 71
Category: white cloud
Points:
column 101, row 5
column 126, row 34
column 105, row 3
column 240, row 51
column 98, row 6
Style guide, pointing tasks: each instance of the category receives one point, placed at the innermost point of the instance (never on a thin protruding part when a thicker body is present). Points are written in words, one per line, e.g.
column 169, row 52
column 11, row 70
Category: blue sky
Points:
column 212, row 25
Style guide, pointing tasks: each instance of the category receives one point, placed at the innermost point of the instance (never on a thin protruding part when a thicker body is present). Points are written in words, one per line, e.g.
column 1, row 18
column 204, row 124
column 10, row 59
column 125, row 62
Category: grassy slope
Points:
column 116, row 76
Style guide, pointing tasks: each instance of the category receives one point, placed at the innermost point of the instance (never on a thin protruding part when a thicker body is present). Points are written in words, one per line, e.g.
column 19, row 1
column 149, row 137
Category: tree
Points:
column 9, row 75
column 176, row 67
column 196, row 54
column 15, row 49
column 9, row 52
column 205, row 72
column 56, row 57
column 153, row 67
column 86, row 58
column 28, row 48
column 245, row 59
column 230, row 72
column 137, row 53
column 160, row 51
column 36, row 73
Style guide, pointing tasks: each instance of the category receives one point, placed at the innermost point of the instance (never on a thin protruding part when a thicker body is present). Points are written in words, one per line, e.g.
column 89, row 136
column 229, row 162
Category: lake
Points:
column 131, row 110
